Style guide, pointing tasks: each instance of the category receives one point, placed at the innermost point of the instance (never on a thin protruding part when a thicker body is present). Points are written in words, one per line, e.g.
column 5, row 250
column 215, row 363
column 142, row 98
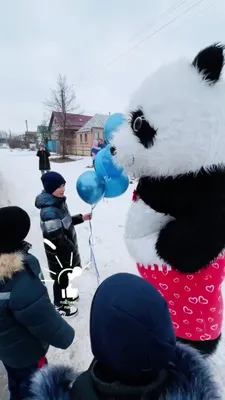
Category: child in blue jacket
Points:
column 29, row 323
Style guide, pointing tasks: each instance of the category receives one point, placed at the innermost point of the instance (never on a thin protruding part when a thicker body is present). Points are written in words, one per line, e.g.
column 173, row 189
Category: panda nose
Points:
column 113, row 150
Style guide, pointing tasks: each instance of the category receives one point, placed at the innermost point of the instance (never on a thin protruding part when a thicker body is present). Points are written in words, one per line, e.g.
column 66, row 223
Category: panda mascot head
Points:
column 173, row 141
column 176, row 119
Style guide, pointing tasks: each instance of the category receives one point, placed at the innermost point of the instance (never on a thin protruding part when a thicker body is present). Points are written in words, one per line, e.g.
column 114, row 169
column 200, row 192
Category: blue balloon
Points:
column 105, row 166
column 90, row 187
column 112, row 124
column 116, row 187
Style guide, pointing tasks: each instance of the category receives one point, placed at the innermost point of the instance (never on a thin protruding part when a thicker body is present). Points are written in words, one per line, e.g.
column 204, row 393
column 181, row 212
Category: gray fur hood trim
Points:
column 189, row 379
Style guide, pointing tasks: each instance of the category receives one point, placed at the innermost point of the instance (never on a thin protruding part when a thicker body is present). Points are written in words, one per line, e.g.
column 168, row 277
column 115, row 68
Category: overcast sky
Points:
column 39, row 39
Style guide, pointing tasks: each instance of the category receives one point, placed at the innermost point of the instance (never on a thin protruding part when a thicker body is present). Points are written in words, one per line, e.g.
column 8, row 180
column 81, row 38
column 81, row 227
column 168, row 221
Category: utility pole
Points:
column 9, row 136
column 26, row 140
column 26, row 126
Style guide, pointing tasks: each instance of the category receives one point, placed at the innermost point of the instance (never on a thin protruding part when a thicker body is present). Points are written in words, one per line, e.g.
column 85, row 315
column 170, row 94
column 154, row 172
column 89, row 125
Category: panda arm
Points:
column 142, row 220
column 142, row 228
column 190, row 245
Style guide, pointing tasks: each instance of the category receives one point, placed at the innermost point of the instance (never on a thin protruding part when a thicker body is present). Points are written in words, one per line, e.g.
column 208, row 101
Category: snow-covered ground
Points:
column 19, row 184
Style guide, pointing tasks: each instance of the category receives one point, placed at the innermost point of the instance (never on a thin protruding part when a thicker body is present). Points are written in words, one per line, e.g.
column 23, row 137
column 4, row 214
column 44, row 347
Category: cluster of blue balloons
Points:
column 108, row 180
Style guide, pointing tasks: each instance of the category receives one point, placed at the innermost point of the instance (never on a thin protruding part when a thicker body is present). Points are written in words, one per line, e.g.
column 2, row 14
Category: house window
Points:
column 81, row 138
column 85, row 138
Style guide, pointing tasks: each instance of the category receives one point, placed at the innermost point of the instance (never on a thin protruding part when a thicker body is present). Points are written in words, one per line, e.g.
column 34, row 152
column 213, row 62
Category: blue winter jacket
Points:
column 58, row 226
column 29, row 322
column 188, row 379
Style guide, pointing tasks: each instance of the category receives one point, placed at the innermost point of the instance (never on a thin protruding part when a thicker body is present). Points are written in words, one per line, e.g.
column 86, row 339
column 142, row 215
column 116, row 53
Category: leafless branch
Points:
column 62, row 100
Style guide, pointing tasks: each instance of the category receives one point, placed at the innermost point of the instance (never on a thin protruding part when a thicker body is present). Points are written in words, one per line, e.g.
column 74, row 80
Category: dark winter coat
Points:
column 189, row 379
column 58, row 226
column 44, row 164
column 29, row 322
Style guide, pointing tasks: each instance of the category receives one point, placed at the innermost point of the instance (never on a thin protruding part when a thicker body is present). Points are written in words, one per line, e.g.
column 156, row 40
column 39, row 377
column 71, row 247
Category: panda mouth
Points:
column 129, row 164
column 113, row 150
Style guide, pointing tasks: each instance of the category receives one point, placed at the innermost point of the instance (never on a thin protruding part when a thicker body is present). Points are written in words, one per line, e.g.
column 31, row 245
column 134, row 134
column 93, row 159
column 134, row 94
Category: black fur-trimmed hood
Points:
column 189, row 379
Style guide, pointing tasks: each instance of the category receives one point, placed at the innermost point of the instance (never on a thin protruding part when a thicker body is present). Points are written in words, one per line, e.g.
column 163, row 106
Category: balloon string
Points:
column 92, row 254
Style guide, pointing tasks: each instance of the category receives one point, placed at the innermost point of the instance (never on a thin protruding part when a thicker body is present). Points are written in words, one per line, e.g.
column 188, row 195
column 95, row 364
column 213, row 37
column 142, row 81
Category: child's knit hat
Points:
column 14, row 227
column 130, row 327
column 52, row 181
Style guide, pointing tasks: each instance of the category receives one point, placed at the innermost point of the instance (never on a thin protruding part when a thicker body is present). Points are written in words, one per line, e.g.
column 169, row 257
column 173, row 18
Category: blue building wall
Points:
column 52, row 146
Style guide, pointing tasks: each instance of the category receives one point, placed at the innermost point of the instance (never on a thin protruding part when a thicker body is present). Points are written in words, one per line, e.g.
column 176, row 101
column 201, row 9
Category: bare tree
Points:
column 43, row 133
column 63, row 101
column 17, row 141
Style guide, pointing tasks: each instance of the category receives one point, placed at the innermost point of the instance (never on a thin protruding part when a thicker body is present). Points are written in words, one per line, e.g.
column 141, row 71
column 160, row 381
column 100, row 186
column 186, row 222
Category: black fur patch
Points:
column 142, row 129
column 196, row 236
column 210, row 62
column 185, row 195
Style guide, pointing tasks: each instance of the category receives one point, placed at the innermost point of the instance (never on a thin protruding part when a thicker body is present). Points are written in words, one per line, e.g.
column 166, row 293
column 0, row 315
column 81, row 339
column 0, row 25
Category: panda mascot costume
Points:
column 173, row 141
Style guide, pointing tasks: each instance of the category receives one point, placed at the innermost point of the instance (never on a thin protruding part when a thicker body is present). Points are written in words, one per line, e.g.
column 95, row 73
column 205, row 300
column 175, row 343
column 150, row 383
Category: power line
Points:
column 157, row 19
column 155, row 32
column 148, row 36
column 213, row 4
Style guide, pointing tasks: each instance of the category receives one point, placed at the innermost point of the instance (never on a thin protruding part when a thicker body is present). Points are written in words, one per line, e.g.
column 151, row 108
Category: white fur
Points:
column 141, row 232
column 189, row 115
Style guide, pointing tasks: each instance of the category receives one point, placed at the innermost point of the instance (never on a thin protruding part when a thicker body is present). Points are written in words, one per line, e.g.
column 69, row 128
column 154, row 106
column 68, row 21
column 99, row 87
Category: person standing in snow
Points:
column 94, row 151
column 44, row 163
column 29, row 323
column 135, row 352
column 101, row 143
column 60, row 240
column 98, row 145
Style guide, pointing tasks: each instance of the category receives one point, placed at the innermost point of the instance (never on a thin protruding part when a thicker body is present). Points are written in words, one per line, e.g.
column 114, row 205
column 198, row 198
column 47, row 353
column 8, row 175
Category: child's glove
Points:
column 87, row 217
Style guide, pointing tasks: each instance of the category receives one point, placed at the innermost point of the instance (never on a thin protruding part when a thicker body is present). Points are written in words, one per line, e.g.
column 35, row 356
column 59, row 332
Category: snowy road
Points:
column 21, row 183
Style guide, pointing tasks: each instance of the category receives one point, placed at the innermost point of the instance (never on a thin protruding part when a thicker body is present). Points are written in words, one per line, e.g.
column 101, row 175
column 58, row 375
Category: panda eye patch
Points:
column 142, row 129
column 137, row 124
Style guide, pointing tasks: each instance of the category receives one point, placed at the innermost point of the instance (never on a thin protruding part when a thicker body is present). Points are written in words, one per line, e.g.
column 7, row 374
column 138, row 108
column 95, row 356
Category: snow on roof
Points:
column 97, row 121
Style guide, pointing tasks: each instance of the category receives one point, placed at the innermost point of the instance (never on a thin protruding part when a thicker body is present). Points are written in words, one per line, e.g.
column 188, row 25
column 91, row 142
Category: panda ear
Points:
column 209, row 62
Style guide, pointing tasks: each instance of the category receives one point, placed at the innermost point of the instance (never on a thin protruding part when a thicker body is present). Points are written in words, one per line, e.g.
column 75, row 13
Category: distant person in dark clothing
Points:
column 29, row 323
column 61, row 246
column 44, row 163
column 101, row 143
